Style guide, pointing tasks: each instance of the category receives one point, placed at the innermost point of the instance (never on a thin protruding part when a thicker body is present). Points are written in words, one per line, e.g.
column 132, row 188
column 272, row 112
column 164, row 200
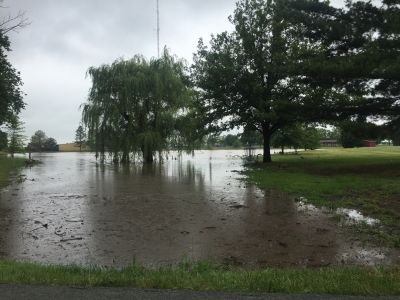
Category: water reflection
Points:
column 193, row 208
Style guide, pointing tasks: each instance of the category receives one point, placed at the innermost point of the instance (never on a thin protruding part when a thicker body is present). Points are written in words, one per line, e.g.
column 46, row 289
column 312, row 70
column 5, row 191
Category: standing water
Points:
column 71, row 210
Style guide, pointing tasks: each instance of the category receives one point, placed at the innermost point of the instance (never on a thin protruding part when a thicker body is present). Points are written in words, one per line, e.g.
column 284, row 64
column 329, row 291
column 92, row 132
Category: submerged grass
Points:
column 204, row 276
column 7, row 166
column 366, row 179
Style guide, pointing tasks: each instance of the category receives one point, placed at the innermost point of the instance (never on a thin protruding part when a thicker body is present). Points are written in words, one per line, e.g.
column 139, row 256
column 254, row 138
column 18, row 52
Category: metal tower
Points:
column 158, row 28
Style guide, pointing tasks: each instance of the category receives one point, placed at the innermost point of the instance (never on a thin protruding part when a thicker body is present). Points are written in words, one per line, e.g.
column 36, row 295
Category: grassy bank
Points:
column 7, row 166
column 366, row 179
column 206, row 277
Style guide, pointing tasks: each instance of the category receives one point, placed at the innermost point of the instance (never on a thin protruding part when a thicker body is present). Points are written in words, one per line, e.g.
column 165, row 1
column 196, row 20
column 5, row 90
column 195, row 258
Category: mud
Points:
column 71, row 210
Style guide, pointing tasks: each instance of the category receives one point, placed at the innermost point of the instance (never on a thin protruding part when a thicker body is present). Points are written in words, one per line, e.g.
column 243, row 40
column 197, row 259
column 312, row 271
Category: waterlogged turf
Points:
column 364, row 179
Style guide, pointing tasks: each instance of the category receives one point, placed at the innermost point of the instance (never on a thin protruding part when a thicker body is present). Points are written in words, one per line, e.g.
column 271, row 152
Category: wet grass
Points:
column 205, row 276
column 365, row 179
column 7, row 167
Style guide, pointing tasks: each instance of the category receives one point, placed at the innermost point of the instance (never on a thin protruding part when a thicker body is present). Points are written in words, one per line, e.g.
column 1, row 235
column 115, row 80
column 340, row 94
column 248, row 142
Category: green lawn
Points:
column 207, row 277
column 366, row 179
column 7, row 166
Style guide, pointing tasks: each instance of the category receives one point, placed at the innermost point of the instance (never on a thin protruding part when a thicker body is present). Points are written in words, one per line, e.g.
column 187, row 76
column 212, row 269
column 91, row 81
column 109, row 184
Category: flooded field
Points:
column 71, row 210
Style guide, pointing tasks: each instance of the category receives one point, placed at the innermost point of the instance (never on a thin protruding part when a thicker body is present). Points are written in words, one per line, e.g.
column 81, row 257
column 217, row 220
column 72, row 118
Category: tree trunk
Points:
column 115, row 158
column 267, row 148
column 148, row 156
column 283, row 149
column 125, row 157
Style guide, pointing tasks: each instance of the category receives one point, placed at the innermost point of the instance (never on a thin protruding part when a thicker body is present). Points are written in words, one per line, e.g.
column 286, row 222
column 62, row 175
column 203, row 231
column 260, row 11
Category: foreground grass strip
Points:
column 208, row 277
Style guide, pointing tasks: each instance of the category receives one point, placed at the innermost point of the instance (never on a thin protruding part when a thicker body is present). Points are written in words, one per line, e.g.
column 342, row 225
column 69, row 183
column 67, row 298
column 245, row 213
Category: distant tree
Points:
column 288, row 137
column 16, row 137
column 80, row 137
column 50, row 145
column 392, row 130
column 310, row 138
column 297, row 136
column 328, row 134
column 213, row 140
column 251, row 137
column 354, row 132
column 395, row 136
column 3, row 140
column 38, row 141
column 231, row 140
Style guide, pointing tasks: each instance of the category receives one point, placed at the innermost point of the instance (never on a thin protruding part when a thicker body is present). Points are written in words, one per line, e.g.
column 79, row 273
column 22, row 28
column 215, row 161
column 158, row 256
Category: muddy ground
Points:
column 71, row 210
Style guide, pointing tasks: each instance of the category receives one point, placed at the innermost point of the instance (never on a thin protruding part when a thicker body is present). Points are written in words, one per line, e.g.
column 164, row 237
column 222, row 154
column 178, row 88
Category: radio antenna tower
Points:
column 158, row 28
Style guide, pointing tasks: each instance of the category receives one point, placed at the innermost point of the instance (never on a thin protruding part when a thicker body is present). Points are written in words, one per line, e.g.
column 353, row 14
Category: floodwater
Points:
column 71, row 210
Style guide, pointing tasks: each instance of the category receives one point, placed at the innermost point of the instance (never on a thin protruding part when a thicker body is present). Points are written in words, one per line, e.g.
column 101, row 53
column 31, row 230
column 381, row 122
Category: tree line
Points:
column 288, row 64
column 13, row 141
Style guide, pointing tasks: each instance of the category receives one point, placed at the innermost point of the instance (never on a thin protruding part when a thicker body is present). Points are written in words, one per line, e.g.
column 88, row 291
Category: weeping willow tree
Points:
column 135, row 107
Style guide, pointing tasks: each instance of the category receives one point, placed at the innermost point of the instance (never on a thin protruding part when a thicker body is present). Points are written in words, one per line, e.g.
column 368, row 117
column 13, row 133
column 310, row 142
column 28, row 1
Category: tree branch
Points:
column 13, row 23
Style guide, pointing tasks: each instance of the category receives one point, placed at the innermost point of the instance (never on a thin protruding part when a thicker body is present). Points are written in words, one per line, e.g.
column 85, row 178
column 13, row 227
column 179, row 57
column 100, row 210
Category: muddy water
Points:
column 71, row 210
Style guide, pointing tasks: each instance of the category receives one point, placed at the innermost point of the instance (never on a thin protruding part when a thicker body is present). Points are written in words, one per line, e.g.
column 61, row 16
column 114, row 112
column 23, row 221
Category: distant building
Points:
column 369, row 143
column 72, row 147
column 329, row 143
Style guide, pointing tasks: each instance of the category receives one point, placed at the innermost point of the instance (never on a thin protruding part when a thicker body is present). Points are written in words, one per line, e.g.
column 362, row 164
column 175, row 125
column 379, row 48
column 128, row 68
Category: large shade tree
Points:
column 374, row 47
column 360, row 59
column 11, row 95
column 256, row 77
column 136, row 106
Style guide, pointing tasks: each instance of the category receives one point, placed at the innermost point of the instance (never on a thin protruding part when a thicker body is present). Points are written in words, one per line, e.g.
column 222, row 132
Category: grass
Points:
column 7, row 167
column 204, row 276
column 366, row 179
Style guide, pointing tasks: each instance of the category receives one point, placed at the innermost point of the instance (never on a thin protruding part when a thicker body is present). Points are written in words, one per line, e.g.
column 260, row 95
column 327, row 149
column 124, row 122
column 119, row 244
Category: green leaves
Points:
column 134, row 106
column 16, row 137
column 11, row 95
column 261, row 75
column 300, row 61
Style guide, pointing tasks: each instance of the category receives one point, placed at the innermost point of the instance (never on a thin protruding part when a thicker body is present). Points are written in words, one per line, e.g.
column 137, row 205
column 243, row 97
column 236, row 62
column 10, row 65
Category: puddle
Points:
column 76, row 211
column 355, row 216
column 352, row 216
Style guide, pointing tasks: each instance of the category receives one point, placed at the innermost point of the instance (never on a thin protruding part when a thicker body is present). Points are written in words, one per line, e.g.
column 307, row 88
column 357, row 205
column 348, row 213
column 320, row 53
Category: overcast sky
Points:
column 66, row 37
